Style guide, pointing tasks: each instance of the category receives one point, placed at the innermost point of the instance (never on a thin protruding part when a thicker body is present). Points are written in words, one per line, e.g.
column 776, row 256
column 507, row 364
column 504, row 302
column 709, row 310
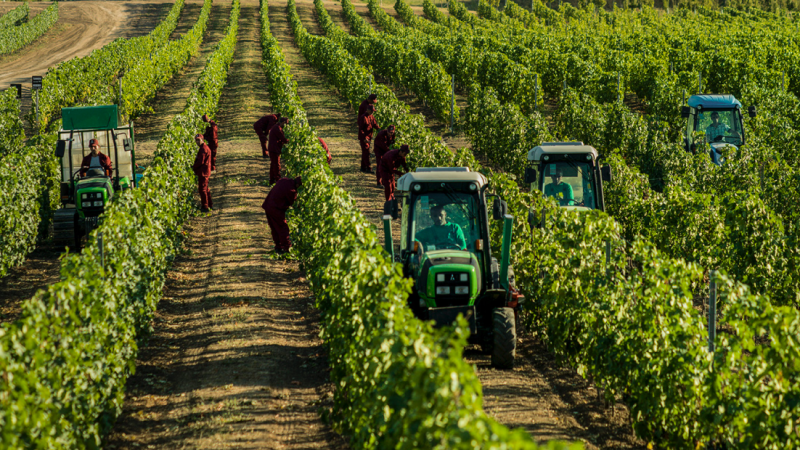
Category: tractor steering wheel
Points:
column 448, row 246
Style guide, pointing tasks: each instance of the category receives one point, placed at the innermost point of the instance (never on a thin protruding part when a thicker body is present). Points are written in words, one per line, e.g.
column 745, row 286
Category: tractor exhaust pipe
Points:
column 387, row 232
column 508, row 223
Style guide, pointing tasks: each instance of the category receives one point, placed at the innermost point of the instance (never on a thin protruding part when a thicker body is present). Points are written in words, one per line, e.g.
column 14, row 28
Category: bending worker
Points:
column 442, row 234
column 202, row 169
column 327, row 151
column 389, row 165
column 276, row 140
column 561, row 190
column 383, row 141
column 262, row 127
column 96, row 160
column 366, row 125
column 279, row 199
column 372, row 100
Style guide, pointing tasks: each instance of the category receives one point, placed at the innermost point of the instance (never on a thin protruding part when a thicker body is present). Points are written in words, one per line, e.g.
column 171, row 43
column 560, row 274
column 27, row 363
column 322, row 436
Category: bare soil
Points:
column 81, row 27
column 235, row 360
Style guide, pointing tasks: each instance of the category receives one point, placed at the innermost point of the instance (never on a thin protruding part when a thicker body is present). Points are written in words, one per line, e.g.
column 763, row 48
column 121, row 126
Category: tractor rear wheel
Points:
column 505, row 338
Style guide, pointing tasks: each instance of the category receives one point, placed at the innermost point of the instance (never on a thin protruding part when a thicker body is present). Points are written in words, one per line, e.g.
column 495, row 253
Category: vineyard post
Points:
column 370, row 84
column 783, row 81
column 544, row 217
column 619, row 94
column 700, row 82
column 36, row 106
column 712, row 311
column 452, row 100
column 100, row 249
column 535, row 91
column 684, row 97
column 761, row 175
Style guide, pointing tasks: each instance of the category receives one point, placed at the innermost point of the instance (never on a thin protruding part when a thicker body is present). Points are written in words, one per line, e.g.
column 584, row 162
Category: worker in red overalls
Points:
column 202, row 169
column 262, row 127
column 383, row 142
column 279, row 199
column 211, row 137
column 390, row 162
column 327, row 151
column 372, row 100
column 276, row 140
column 366, row 125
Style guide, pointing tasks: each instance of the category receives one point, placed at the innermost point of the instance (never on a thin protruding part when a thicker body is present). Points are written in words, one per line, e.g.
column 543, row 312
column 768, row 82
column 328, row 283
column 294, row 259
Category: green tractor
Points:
column 445, row 247
column 85, row 196
column 574, row 171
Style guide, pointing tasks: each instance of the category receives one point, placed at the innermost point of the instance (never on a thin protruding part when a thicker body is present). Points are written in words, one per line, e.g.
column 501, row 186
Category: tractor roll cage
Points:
column 111, row 136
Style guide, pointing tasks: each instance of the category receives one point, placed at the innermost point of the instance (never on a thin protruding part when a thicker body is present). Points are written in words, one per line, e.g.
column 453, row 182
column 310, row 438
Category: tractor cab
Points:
column 720, row 118
column 87, row 189
column 570, row 172
column 445, row 248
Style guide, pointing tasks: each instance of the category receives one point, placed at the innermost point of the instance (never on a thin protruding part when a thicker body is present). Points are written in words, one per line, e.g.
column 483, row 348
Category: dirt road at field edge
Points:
column 82, row 26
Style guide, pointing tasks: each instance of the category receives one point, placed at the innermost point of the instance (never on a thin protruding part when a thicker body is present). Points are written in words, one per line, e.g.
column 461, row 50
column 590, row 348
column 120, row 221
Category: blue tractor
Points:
column 719, row 116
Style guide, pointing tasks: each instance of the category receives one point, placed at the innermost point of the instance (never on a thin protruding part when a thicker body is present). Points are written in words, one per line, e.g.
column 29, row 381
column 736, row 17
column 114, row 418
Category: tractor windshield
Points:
column 445, row 220
column 721, row 125
column 571, row 183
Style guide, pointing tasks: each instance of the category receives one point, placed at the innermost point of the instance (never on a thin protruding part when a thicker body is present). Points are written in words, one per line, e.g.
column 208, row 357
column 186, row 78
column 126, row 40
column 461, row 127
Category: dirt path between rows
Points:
column 171, row 99
column 235, row 360
column 547, row 400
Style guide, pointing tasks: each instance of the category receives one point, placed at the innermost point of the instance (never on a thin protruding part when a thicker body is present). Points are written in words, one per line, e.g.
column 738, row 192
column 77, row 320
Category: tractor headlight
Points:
column 443, row 290
column 462, row 290
column 84, row 196
column 464, row 277
column 98, row 196
column 440, row 278
column 100, row 203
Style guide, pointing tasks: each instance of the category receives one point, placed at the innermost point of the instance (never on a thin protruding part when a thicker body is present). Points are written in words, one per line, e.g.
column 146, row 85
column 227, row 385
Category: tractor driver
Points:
column 562, row 191
column 442, row 234
column 96, row 160
column 718, row 129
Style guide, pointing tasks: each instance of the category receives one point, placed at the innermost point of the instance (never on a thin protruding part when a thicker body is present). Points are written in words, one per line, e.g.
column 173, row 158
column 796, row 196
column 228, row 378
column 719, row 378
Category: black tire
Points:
column 504, row 337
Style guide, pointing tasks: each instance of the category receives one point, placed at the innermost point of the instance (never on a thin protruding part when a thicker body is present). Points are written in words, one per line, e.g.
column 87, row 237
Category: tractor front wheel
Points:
column 505, row 338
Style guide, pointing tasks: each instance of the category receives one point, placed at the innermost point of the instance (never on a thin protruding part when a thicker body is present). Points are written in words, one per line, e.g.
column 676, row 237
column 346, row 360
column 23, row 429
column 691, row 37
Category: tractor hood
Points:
column 577, row 208
column 449, row 269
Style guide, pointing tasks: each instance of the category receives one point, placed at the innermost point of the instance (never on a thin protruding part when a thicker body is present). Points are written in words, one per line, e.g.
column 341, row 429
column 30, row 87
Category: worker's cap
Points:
column 93, row 142
column 405, row 149
column 205, row 118
column 390, row 128
column 372, row 97
column 714, row 114
column 298, row 181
